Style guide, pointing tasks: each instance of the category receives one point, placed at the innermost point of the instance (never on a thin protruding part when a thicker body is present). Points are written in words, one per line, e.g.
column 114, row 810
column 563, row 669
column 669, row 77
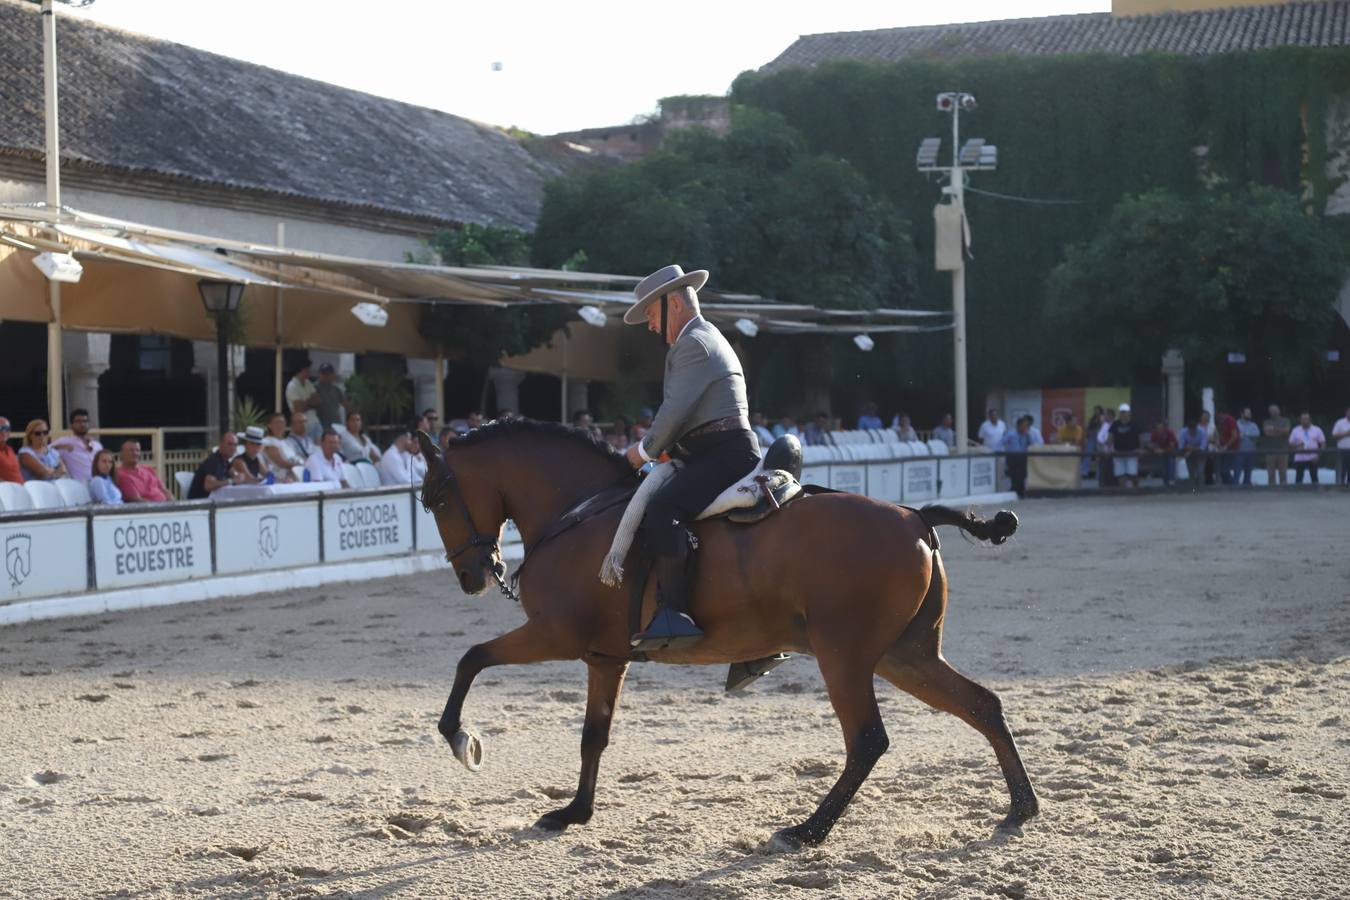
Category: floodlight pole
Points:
column 959, row 290
column 55, row 362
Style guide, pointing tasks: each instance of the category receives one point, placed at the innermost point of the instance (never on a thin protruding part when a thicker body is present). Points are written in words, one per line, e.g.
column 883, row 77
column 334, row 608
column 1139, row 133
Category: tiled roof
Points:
column 142, row 105
column 1315, row 24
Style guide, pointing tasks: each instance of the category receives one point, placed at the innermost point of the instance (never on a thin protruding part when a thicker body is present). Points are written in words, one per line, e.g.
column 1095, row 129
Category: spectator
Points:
column 137, row 482
column 1228, row 444
column 1212, row 433
column 250, row 467
column 325, row 464
column 618, row 434
column 102, row 487
column 77, row 449
column 817, row 431
column 1340, row 433
column 428, row 421
column 475, row 419
column 1123, row 439
column 756, row 423
column 1070, row 432
column 281, row 455
column 504, row 415
column 38, row 460
column 1090, row 436
column 582, row 419
column 301, row 394
column 993, row 430
column 1306, row 436
column 1015, row 444
column 1275, row 441
column 356, row 444
column 214, row 471
column 445, row 437
column 1248, row 433
column 330, row 398
column 402, row 462
column 1106, row 474
column 786, row 425
column 1194, row 449
column 644, row 424
column 1033, row 433
column 905, row 428
column 945, row 433
column 9, row 460
column 299, row 445
column 869, row 420
column 1162, row 440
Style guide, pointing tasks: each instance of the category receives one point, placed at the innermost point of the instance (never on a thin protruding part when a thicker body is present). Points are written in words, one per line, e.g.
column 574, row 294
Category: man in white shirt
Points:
column 993, row 430
column 301, row 394
column 1340, row 433
column 326, row 463
column 1308, row 437
column 402, row 462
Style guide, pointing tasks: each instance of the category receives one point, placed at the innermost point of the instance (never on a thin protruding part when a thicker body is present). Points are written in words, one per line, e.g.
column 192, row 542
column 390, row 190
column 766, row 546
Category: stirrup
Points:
column 668, row 630
column 741, row 674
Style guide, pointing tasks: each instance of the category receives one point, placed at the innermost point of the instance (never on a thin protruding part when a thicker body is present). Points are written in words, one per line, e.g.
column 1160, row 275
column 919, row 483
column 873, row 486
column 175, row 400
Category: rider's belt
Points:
column 730, row 423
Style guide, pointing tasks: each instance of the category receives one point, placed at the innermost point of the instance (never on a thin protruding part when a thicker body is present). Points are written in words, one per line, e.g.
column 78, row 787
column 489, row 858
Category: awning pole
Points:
column 563, row 417
column 55, row 362
column 440, row 388
column 280, row 375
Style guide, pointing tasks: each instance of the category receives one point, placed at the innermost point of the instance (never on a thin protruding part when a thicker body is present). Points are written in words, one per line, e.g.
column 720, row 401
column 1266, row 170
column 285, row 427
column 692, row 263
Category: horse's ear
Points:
column 430, row 451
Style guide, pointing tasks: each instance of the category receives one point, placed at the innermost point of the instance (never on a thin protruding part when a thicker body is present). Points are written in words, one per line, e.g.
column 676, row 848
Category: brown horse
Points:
column 855, row 582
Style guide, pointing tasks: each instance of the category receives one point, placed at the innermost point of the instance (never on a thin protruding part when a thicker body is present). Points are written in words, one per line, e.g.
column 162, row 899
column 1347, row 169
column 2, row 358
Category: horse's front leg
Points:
column 604, row 681
column 527, row 644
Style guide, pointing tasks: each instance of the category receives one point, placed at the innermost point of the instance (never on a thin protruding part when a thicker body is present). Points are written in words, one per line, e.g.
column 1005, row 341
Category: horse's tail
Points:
column 996, row 530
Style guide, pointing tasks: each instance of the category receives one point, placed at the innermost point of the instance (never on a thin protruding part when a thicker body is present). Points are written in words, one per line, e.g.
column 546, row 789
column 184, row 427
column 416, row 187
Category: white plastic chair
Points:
column 938, row 448
column 44, row 495
column 351, row 476
column 370, row 476
column 13, row 498
column 75, row 493
column 184, row 481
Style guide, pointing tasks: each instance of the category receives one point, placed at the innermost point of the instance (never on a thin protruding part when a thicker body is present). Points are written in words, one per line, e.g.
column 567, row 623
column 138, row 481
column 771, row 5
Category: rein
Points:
column 476, row 537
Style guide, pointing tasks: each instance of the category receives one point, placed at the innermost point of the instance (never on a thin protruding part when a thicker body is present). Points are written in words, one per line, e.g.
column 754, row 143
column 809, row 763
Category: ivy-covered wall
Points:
column 1087, row 129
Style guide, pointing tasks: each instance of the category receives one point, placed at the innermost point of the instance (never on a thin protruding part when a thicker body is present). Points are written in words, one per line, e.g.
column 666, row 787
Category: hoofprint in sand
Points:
column 1175, row 670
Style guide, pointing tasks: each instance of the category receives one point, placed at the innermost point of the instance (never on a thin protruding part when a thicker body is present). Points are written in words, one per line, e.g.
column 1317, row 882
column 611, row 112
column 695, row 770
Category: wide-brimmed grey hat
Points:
column 657, row 285
column 254, row 435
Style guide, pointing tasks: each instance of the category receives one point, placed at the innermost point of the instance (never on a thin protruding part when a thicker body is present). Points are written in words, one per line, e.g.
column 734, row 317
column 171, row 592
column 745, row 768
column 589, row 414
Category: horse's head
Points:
column 469, row 516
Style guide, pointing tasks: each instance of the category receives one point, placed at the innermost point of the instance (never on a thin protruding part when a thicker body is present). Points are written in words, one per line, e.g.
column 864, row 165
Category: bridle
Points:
column 476, row 538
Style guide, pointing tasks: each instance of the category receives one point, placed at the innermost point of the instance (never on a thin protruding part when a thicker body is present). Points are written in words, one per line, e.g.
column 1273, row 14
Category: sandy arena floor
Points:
column 1176, row 670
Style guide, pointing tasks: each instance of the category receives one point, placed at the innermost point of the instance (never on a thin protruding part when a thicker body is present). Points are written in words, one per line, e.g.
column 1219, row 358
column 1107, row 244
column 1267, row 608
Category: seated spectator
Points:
column 356, row 444
column 756, row 423
column 77, row 450
column 644, row 424
column 250, row 467
column 299, row 446
column 214, row 471
column 9, row 460
column 618, row 434
column 1306, row 436
column 945, row 432
column 582, row 419
column 448, row 433
column 278, row 452
column 817, row 432
column 905, row 428
column 1162, row 441
column 1070, row 432
column 786, row 425
column 869, row 420
column 326, row 463
column 102, row 487
column 38, row 460
column 427, row 421
column 475, row 419
column 402, row 462
column 137, row 482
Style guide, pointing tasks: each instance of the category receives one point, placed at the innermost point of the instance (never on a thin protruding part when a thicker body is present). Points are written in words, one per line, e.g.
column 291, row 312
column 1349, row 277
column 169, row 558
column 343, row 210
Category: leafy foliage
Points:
column 382, row 397
column 1206, row 274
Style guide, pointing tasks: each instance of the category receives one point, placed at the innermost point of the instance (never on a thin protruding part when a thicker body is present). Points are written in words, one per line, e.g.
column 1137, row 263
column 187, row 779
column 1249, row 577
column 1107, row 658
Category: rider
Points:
column 704, row 422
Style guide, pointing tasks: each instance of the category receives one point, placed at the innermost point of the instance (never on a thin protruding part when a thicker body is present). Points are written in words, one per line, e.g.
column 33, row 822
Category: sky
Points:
column 541, row 66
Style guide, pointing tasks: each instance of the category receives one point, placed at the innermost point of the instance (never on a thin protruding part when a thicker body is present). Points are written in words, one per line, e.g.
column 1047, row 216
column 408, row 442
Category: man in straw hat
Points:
column 704, row 422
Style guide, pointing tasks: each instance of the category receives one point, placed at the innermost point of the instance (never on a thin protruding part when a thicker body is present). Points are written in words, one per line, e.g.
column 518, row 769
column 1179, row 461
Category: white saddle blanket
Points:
column 741, row 494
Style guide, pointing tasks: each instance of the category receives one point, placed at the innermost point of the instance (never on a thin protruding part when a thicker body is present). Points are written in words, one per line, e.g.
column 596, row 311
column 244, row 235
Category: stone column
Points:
column 86, row 358
column 204, row 363
column 424, row 375
column 1174, row 394
column 506, row 387
column 578, row 392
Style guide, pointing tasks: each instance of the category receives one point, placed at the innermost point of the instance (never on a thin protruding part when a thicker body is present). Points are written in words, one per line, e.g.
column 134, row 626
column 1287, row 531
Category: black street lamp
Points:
column 219, row 298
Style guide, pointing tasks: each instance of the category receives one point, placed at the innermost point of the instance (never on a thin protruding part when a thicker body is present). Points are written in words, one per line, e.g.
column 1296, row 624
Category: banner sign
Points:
column 883, row 482
column 44, row 557
column 849, row 478
column 428, row 538
column 145, row 549
column 366, row 526
column 816, row 475
column 982, row 475
column 920, row 480
column 275, row 536
column 952, row 478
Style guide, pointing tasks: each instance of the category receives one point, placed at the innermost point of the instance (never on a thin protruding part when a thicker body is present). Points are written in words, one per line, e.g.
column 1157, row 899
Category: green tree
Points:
column 1245, row 271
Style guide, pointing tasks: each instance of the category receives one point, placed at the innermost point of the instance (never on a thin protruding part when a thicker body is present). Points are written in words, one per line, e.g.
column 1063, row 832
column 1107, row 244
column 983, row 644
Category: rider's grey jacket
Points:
column 704, row 383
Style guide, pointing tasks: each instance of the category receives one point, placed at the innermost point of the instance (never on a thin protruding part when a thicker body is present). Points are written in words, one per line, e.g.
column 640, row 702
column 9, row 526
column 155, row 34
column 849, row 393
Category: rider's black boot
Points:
column 672, row 626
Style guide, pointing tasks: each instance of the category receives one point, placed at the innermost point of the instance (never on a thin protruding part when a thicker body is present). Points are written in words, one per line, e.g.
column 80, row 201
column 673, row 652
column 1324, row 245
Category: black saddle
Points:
column 779, row 484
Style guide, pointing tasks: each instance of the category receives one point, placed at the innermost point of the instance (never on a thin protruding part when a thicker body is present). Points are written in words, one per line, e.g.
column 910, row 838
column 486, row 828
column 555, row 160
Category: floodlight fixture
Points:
column 970, row 152
column 747, row 327
column 59, row 266
column 927, row 156
column 948, row 101
column 864, row 342
column 592, row 315
column 372, row 314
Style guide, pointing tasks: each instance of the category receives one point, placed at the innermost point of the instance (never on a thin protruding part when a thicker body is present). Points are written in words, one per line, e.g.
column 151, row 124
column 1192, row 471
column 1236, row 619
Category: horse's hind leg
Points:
column 604, row 681
column 849, row 682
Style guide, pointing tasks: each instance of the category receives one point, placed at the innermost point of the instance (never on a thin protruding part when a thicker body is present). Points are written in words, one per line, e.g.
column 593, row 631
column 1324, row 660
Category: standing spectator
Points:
column 102, row 488
column 277, row 449
column 1194, row 448
column 1162, row 440
column 756, row 424
column 1123, row 438
column 1015, row 445
column 399, row 464
column 1275, row 441
column 1070, row 432
column 443, row 439
column 1248, row 433
column 77, row 450
column 137, row 482
column 905, row 428
column 1211, row 434
column 9, row 460
column 1090, row 436
column 1229, row 442
column 301, row 395
column 817, row 432
column 1340, row 433
column 38, row 460
column 356, row 444
column 786, row 425
column 330, row 398
column 250, row 467
column 993, row 430
column 214, row 471
column 1306, row 436
column 945, row 432
column 326, row 463
column 1106, row 473
column 869, row 420
column 618, row 433
column 1033, row 433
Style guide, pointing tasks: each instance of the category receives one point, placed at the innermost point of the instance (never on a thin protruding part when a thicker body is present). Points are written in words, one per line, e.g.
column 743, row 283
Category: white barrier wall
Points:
column 44, row 557
column 362, row 527
column 884, row 482
column 145, row 548
column 921, row 480
column 275, row 536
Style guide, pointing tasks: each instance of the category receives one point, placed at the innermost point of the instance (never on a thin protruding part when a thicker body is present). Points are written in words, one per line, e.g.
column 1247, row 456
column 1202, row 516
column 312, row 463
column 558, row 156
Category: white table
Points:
column 257, row 491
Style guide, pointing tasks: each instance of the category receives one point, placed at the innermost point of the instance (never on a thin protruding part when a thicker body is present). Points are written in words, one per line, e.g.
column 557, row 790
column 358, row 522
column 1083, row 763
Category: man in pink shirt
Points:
column 135, row 481
column 77, row 450
column 1306, row 436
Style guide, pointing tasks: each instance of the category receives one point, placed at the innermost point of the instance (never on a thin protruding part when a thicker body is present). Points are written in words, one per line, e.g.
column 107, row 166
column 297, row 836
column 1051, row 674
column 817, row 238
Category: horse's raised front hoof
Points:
column 793, row 839
column 559, row 819
column 468, row 749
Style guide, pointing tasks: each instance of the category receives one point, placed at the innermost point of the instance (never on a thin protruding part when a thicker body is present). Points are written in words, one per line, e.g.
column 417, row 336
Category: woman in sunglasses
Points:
column 37, row 457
